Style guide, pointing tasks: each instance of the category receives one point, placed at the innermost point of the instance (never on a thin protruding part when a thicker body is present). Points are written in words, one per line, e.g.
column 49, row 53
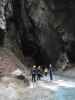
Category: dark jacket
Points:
column 34, row 72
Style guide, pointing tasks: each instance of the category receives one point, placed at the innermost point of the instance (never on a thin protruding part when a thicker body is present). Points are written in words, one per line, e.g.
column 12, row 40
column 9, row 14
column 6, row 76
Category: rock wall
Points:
column 41, row 29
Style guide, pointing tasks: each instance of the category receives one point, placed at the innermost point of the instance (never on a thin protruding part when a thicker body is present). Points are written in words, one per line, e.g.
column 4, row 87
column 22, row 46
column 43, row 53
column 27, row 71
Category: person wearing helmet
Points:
column 46, row 71
column 34, row 73
column 39, row 74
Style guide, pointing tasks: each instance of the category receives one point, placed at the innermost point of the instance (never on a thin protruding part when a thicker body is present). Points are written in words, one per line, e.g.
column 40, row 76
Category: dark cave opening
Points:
column 31, row 49
column 2, row 35
column 71, row 53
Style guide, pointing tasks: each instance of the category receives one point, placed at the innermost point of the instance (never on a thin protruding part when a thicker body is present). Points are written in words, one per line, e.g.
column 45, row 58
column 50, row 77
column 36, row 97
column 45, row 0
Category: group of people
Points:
column 37, row 72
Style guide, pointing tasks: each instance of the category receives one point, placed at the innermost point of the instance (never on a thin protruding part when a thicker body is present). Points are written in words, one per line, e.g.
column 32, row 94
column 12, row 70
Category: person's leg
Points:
column 32, row 78
column 37, row 77
column 51, row 76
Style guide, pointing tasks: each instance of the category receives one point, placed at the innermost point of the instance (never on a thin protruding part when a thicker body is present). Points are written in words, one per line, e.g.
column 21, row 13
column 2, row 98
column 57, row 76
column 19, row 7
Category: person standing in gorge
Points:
column 50, row 72
column 34, row 73
column 39, row 73
column 46, row 71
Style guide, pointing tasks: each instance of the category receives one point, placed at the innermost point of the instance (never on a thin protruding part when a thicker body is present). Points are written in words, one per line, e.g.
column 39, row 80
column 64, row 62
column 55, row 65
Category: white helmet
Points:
column 50, row 65
column 34, row 66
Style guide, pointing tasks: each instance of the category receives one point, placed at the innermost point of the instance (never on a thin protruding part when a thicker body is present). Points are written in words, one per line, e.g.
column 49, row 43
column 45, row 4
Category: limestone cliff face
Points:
column 42, row 29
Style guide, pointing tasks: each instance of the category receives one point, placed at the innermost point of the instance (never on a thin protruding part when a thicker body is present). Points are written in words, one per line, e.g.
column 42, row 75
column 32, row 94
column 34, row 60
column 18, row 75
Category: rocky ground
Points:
column 14, row 89
column 11, row 88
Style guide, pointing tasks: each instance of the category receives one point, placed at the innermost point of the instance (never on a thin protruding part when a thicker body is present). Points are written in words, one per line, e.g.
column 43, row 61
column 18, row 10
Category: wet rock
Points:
column 21, row 77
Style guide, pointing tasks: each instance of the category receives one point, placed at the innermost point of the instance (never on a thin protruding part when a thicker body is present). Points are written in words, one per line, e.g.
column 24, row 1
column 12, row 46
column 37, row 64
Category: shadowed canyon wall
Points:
column 40, row 29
